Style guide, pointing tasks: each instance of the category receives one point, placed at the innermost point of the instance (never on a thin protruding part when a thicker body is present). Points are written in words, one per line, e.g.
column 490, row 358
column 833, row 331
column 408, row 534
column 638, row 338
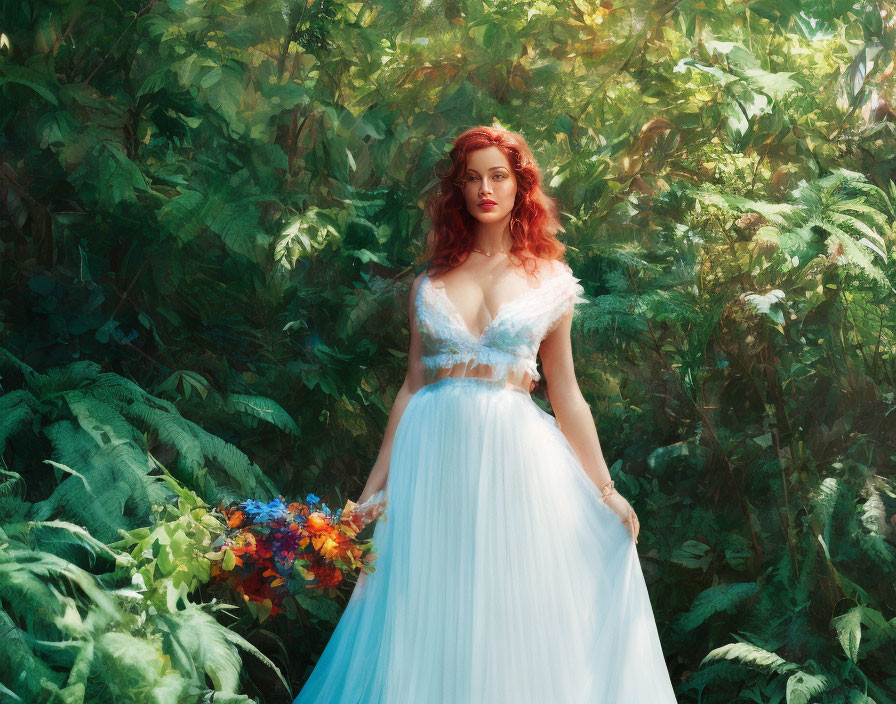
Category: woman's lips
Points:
column 488, row 206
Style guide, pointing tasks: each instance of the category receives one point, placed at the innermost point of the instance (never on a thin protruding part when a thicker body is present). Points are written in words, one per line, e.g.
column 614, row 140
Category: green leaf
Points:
column 229, row 561
column 692, row 554
column 767, row 304
column 263, row 408
column 849, row 631
column 802, row 688
column 38, row 81
column 775, row 85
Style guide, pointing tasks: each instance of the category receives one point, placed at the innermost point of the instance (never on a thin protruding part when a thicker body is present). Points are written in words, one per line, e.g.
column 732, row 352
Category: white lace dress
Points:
column 501, row 576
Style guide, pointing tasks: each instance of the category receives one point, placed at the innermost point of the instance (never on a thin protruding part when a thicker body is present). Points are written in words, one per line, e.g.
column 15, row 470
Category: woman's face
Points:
column 489, row 185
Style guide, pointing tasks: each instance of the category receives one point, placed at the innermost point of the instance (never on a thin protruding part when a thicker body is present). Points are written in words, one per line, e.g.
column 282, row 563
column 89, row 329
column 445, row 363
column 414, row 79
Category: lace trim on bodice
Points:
column 509, row 343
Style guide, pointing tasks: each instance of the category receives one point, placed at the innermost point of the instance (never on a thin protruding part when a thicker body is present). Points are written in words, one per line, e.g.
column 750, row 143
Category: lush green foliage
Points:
column 211, row 213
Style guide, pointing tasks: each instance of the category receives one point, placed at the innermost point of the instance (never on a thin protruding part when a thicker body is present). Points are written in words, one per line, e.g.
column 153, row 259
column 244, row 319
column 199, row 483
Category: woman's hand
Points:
column 626, row 513
column 371, row 507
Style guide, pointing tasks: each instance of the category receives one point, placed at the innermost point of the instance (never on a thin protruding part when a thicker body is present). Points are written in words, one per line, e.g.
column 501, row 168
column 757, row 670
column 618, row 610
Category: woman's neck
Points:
column 492, row 237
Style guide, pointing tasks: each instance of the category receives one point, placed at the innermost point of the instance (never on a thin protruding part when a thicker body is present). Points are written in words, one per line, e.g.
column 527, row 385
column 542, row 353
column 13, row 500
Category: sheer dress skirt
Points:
column 501, row 575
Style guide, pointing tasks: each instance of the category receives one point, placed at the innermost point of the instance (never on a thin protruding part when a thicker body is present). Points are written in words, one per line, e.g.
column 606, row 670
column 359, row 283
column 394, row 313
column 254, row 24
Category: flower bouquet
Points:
column 271, row 550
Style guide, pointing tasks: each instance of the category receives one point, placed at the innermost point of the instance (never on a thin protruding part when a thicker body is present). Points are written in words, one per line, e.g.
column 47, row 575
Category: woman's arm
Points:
column 413, row 380
column 574, row 415
column 570, row 408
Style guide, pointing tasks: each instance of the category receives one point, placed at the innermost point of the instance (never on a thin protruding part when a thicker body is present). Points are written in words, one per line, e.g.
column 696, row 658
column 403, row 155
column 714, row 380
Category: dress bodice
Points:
column 509, row 343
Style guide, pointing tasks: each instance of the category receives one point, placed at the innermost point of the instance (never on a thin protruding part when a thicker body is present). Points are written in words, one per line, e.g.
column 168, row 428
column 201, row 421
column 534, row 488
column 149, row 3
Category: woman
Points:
column 507, row 570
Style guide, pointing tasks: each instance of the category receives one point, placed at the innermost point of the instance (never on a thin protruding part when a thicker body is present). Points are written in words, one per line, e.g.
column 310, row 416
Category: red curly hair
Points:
column 534, row 221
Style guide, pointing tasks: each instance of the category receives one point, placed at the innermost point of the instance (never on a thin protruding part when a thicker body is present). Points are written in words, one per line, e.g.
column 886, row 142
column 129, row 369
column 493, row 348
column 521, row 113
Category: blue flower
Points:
column 262, row 513
column 312, row 499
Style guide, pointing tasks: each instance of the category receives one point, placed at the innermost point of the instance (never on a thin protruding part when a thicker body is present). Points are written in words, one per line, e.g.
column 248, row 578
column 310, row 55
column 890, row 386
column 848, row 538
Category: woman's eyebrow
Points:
column 490, row 168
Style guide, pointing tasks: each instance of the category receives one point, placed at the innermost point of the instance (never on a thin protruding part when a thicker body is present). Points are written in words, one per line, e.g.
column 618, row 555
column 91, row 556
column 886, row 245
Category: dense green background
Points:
column 211, row 215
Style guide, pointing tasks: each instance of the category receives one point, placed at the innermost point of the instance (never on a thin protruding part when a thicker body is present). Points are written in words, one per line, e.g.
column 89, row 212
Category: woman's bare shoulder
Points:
column 415, row 285
column 548, row 268
column 418, row 281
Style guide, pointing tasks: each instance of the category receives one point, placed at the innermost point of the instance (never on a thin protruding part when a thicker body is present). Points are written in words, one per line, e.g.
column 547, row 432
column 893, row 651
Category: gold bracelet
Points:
column 608, row 490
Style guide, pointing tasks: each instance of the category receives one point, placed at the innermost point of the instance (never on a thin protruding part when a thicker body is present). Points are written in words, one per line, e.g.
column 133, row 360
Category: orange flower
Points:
column 235, row 520
column 326, row 577
column 332, row 545
column 244, row 542
column 317, row 523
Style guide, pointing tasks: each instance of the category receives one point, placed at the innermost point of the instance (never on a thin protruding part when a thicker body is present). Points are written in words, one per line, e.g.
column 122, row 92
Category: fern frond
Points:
column 874, row 195
column 111, row 386
column 750, row 655
column 852, row 256
column 203, row 483
column 202, row 647
column 12, row 510
column 612, row 317
column 802, row 687
column 874, row 520
column 777, row 213
column 20, row 668
column 12, row 485
column 858, row 205
column 170, row 429
column 724, row 597
column 849, row 631
column 823, row 503
column 248, row 478
column 65, row 378
column 17, row 409
column 847, row 221
column 9, row 363
column 27, row 578
column 104, row 424
column 718, row 673
column 48, row 536
column 112, row 493
column 260, row 407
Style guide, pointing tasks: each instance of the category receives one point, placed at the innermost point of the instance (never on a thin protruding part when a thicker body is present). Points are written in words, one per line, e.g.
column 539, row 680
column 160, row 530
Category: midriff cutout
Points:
column 472, row 370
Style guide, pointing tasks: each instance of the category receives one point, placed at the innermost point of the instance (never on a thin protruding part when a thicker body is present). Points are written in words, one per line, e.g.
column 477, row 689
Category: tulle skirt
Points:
column 501, row 576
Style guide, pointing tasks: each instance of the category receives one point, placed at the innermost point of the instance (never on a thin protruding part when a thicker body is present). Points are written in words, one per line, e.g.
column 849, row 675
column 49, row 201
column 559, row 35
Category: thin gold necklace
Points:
column 488, row 254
